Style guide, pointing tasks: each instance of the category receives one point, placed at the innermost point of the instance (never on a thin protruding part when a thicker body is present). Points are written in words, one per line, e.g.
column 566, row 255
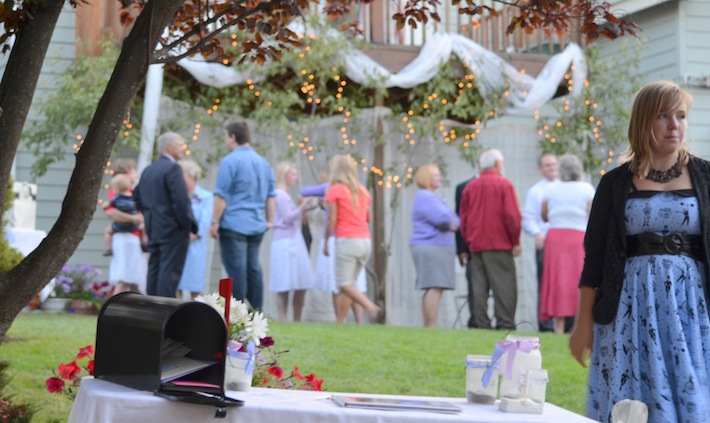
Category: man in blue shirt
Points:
column 243, row 212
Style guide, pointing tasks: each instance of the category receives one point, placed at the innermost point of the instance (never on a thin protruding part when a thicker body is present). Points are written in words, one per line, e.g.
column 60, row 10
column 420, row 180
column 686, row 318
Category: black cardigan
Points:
column 605, row 239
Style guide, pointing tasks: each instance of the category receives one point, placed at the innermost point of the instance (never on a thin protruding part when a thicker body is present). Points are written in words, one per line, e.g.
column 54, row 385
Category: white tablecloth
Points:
column 100, row 401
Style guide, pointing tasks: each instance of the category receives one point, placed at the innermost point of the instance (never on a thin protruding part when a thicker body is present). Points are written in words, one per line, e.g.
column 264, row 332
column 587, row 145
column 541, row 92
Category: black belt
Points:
column 646, row 244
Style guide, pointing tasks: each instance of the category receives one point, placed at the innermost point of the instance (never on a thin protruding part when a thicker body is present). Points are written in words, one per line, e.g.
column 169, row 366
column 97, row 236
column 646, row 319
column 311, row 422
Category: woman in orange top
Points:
column 348, row 217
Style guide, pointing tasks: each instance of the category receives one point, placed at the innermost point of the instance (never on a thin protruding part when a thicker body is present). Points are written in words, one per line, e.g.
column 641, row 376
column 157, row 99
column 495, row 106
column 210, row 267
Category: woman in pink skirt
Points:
column 566, row 206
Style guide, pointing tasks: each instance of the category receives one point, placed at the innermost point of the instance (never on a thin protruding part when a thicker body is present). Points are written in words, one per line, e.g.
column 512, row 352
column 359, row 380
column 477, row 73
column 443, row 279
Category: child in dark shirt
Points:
column 121, row 167
column 123, row 201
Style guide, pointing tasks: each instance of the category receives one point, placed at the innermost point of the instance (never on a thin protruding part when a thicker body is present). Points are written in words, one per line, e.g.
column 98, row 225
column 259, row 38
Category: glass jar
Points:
column 532, row 398
column 514, row 386
column 537, row 386
column 476, row 366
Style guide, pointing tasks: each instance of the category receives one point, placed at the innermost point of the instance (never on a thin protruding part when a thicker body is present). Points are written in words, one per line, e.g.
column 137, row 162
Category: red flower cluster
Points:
column 71, row 373
column 275, row 379
column 315, row 383
column 268, row 373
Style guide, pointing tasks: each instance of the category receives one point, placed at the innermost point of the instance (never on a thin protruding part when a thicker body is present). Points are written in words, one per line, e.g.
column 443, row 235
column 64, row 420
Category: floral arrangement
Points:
column 78, row 281
column 244, row 326
column 247, row 334
column 67, row 376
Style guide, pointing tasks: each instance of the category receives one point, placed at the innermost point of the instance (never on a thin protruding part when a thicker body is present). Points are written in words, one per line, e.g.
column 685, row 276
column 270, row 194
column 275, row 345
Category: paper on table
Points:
column 395, row 404
column 175, row 367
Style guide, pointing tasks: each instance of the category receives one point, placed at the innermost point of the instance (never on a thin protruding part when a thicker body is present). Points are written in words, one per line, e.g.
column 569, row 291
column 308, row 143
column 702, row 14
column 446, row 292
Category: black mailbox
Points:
column 171, row 347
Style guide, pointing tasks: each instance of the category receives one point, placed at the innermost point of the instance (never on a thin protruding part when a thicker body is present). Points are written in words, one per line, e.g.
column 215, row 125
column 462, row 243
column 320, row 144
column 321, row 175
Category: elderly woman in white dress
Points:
column 290, row 269
column 202, row 202
column 566, row 205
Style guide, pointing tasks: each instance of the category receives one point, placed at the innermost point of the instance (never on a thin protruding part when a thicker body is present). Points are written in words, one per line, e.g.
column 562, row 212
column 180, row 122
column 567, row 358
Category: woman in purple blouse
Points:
column 290, row 268
column 432, row 243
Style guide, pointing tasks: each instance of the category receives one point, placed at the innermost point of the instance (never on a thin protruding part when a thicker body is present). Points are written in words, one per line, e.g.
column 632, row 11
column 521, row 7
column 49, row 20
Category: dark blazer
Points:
column 161, row 195
column 461, row 246
column 605, row 239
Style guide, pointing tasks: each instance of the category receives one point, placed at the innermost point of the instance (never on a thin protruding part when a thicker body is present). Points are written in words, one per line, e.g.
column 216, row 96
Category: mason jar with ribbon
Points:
column 514, row 356
column 239, row 366
column 476, row 390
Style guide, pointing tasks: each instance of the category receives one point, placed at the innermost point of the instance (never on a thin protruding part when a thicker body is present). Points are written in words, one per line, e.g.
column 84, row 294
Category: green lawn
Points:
column 367, row 359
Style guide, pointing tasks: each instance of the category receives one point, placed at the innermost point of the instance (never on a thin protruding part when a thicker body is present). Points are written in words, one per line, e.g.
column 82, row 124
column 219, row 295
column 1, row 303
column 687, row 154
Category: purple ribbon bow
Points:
column 233, row 348
column 511, row 347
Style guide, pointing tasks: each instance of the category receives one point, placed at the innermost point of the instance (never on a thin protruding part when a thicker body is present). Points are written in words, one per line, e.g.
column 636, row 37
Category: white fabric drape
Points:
column 491, row 72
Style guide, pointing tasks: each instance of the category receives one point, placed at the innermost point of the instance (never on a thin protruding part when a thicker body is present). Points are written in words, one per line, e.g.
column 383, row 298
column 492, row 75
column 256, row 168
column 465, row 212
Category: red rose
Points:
column 90, row 367
column 54, row 384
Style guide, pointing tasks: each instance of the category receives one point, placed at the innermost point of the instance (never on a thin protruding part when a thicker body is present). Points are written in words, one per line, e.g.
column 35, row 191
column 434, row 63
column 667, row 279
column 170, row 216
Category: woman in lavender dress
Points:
column 290, row 268
column 432, row 243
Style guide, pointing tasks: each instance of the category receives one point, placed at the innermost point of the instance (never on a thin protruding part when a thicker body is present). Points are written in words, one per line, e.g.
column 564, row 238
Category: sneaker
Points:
column 107, row 253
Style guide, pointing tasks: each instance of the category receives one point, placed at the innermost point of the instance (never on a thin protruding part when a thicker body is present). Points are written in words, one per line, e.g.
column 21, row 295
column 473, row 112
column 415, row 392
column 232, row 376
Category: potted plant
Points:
column 77, row 284
column 90, row 300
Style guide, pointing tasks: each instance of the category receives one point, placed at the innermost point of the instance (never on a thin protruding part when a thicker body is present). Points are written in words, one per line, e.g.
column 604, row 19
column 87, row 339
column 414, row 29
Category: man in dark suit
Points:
column 162, row 196
column 464, row 254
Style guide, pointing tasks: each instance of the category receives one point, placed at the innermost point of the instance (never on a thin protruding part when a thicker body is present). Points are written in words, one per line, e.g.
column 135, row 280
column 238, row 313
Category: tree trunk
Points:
column 20, row 81
column 16, row 92
column 380, row 247
column 20, row 284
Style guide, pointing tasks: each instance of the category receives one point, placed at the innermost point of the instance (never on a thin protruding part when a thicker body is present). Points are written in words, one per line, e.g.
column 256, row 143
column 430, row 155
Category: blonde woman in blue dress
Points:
column 642, row 322
column 290, row 269
column 202, row 203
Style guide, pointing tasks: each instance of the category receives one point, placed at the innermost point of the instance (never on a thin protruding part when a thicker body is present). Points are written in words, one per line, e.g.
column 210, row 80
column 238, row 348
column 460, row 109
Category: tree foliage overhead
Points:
column 593, row 126
column 200, row 27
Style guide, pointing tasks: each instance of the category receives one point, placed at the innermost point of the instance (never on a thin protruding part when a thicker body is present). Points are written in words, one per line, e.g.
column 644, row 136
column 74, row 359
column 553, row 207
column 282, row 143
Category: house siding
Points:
column 52, row 186
column 695, row 18
column 674, row 35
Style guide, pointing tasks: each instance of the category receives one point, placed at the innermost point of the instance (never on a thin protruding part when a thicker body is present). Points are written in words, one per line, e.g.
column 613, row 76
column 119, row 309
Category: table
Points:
column 101, row 401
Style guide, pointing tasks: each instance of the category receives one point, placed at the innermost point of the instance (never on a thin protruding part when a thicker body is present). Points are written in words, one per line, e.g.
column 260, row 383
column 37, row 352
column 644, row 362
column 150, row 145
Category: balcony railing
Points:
column 488, row 31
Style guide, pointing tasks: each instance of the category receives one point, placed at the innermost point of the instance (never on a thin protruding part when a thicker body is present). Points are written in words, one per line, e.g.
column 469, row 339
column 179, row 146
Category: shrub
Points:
column 9, row 412
column 9, row 257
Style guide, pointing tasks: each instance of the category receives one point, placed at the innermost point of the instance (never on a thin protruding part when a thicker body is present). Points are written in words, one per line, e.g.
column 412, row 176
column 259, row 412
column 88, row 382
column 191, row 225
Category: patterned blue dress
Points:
column 657, row 349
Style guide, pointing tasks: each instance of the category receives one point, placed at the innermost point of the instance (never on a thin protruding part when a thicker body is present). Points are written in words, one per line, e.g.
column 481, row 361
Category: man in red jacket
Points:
column 491, row 225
